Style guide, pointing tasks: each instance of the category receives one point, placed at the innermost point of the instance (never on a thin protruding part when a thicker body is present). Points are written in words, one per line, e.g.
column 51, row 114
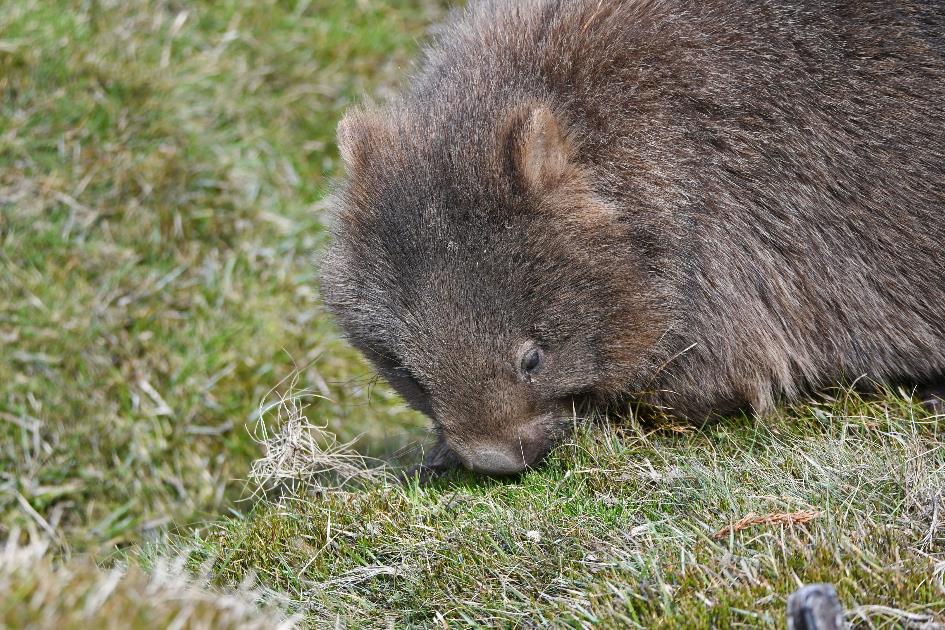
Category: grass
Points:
column 162, row 166
column 39, row 594
column 625, row 527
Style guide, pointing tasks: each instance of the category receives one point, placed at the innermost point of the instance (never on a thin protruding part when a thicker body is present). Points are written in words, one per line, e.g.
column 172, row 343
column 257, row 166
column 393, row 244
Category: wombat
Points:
column 707, row 207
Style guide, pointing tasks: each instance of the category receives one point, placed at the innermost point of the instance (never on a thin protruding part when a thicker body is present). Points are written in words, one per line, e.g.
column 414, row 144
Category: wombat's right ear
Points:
column 358, row 131
column 544, row 151
column 544, row 156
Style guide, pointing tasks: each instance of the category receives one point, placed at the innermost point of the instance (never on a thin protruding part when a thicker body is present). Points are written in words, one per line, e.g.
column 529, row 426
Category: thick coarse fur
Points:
column 709, row 206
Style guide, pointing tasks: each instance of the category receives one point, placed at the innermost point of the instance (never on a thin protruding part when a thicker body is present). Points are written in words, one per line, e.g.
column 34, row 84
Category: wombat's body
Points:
column 709, row 206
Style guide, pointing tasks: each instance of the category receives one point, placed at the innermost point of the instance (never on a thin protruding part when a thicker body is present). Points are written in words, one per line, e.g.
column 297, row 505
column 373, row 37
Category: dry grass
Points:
column 774, row 518
column 300, row 457
column 40, row 593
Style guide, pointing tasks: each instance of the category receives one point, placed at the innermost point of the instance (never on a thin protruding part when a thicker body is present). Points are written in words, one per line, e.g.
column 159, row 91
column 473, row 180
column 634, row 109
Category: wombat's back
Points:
column 784, row 161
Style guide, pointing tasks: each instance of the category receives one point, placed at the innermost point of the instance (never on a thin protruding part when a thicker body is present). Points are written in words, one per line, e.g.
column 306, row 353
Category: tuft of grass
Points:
column 39, row 593
column 299, row 456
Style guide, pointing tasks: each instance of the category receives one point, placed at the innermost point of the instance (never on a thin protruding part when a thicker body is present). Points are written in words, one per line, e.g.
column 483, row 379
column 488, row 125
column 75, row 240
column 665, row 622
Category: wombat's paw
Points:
column 933, row 397
column 815, row 607
column 438, row 461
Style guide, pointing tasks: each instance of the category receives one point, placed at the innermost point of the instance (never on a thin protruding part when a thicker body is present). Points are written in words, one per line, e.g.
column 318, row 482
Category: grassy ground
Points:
column 161, row 166
column 627, row 527
column 161, row 170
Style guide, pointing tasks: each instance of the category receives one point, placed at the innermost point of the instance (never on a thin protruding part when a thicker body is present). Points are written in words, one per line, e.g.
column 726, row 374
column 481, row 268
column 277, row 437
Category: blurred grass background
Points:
column 161, row 170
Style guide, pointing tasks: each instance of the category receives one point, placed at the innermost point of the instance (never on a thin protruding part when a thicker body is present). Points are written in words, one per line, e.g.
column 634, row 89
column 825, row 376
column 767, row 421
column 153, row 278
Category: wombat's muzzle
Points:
column 492, row 461
column 505, row 457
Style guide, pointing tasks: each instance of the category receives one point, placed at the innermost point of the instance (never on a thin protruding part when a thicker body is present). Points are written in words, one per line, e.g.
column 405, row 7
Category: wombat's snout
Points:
column 505, row 457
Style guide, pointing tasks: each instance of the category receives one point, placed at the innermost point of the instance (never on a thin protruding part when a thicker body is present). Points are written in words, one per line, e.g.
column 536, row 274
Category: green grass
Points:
column 162, row 166
column 618, row 530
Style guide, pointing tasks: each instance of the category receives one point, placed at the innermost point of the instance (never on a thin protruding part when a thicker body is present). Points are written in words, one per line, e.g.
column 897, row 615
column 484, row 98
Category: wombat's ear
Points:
column 544, row 157
column 357, row 132
column 543, row 151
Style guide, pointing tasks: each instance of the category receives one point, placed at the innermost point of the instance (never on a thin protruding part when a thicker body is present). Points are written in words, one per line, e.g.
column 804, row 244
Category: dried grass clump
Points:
column 302, row 457
column 38, row 593
column 773, row 518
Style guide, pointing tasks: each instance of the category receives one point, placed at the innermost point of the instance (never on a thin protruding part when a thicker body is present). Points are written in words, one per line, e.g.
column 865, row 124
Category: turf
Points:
column 625, row 526
column 162, row 166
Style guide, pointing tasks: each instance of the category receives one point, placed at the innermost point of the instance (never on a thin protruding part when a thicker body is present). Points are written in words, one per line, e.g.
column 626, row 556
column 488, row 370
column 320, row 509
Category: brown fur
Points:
column 709, row 206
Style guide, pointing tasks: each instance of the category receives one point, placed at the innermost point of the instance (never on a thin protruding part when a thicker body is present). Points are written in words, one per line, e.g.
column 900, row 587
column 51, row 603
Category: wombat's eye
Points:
column 532, row 361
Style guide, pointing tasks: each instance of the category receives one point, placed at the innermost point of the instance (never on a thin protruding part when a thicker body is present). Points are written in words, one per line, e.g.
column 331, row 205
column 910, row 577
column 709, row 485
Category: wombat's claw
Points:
column 815, row 607
column 935, row 406
column 933, row 398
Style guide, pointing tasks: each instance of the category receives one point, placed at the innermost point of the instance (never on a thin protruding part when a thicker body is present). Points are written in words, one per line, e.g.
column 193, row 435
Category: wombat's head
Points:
column 484, row 277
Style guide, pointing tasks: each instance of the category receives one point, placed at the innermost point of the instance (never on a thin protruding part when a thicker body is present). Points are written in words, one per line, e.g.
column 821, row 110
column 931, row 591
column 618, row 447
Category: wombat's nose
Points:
column 505, row 454
column 495, row 461
column 504, row 457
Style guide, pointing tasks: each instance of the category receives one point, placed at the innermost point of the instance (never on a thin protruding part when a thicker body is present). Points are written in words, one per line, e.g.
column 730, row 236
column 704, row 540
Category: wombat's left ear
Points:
column 543, row 151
